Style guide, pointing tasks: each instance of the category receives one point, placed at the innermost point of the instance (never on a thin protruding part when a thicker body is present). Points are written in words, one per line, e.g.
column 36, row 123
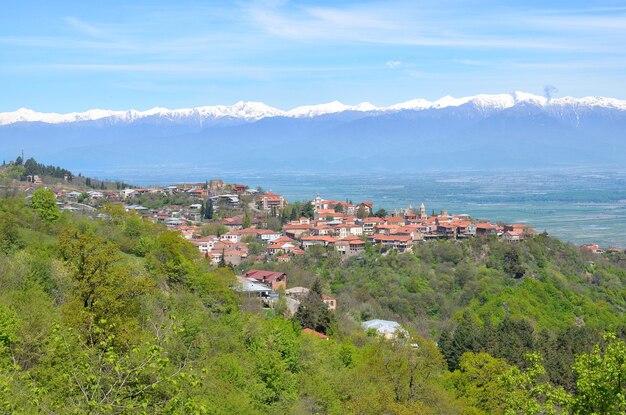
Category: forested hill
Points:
column 121, row 316
column 30, row 170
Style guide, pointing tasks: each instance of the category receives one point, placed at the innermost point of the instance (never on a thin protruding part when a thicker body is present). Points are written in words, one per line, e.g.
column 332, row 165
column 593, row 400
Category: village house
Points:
column 330, row 301
column 325, row 214
column 595, row 248
column 297, row 293
column 309, row 241
column 234, row 236
column 369, row 224
column 364, row 208
column 410, row 230
column 295, row 231
column 273, row 279
column 251, row 288
column 464, row 228
column 350, row 246
column 206, row 244
column 270, row 202
column 267, row 235
column 486, row 228
column 385, row 328
column 312, row 332
column 513, row 235
column 395, row 220
column 399, row 242
column 346, row 230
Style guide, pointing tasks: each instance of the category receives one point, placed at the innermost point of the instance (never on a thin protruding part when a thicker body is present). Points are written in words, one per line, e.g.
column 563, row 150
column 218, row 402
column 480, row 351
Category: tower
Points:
column 423, row 212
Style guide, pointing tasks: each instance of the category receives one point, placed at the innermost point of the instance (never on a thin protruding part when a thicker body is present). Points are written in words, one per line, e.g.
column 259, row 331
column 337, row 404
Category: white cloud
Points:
column 394, row 64
column 84, row 27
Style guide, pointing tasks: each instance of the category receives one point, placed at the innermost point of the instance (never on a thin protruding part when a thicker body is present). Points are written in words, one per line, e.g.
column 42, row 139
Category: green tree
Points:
column 209, row 211
column 10, row 238
column 246, row 219
column 104, row 292
column 601, row 383
column 478, row 381
column 313, row 313
column 381, row 213
column 529, row 393
column 44, row 202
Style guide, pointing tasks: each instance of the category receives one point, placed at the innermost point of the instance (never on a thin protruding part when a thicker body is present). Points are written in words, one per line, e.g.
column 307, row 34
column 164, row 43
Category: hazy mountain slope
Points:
column 486, row 131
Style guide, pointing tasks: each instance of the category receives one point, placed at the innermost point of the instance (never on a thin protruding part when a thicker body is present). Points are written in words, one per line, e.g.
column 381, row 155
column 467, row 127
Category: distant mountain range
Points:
column 516, row 131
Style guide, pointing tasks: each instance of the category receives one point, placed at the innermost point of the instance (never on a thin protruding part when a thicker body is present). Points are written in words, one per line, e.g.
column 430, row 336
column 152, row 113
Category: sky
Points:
column 64, row 56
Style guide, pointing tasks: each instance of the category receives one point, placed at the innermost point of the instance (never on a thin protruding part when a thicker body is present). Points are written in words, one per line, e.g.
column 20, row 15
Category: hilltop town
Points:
column 232, row 223
column 235, row 225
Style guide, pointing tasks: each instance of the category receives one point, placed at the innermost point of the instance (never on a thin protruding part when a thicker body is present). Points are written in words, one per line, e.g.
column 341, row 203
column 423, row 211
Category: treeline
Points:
column 122, row 316
column 483, row 296
column 31, row 167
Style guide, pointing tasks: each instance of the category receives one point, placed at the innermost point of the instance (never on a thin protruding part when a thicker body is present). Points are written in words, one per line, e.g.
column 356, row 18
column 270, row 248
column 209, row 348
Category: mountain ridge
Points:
column 254, row 111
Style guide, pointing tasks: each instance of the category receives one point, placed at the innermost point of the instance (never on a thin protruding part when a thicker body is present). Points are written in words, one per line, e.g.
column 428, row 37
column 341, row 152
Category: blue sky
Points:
column 74, row 55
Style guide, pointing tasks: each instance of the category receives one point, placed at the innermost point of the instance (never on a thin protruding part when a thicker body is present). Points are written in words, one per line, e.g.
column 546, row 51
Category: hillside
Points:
column 123, row 316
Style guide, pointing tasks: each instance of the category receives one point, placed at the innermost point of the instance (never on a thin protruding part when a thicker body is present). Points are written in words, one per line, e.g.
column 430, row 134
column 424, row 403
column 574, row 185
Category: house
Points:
column 235, row 256
column 395, row 220
column 345, row 230
column 352, row 245
column 234, row 223
column 308, row 241
column 232, row 236
column 447, row 229
column 270, row 202
column 385, row 229
column 464, row 228
column 297, row 292
column 230, row 200
column 281, row 248
column 315, row 333
column 205, row 245
column 595, row 248
column 486, row 228
column 324, row 214
column 410, row 230
column 386, row 328
column 399, row 242
column 365, row 208
column 251, row 288
column 330, row 301
column 322, row 230
column 274, row 279
column 267, row 235
column 369, row 224
column 513, row 236
column 295, row 231
column 525, row 229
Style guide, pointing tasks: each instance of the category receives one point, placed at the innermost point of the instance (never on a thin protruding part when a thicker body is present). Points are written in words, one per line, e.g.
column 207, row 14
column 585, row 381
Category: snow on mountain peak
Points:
column 251, row 111
column 414, row 104
column 316, row 110
column 520, row 96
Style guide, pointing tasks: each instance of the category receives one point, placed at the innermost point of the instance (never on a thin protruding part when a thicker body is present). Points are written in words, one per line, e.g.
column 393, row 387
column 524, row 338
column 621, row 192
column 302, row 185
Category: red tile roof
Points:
column 315, row 333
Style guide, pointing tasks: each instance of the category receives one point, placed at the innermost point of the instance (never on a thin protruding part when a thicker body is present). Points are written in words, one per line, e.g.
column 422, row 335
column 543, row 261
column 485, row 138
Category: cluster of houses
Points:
column 347, row 228
column 340, row 225
column 595, row 248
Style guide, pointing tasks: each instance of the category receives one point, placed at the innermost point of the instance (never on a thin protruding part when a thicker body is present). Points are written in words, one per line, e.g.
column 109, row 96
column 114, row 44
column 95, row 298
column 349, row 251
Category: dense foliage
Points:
column 122, row 316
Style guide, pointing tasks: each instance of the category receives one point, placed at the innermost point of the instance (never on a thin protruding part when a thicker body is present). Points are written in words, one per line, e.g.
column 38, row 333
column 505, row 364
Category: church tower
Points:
column 423, row 212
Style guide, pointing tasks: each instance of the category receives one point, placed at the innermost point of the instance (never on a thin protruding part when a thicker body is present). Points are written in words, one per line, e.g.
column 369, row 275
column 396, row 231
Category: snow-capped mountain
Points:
column 253, row 111
column 510, row 131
